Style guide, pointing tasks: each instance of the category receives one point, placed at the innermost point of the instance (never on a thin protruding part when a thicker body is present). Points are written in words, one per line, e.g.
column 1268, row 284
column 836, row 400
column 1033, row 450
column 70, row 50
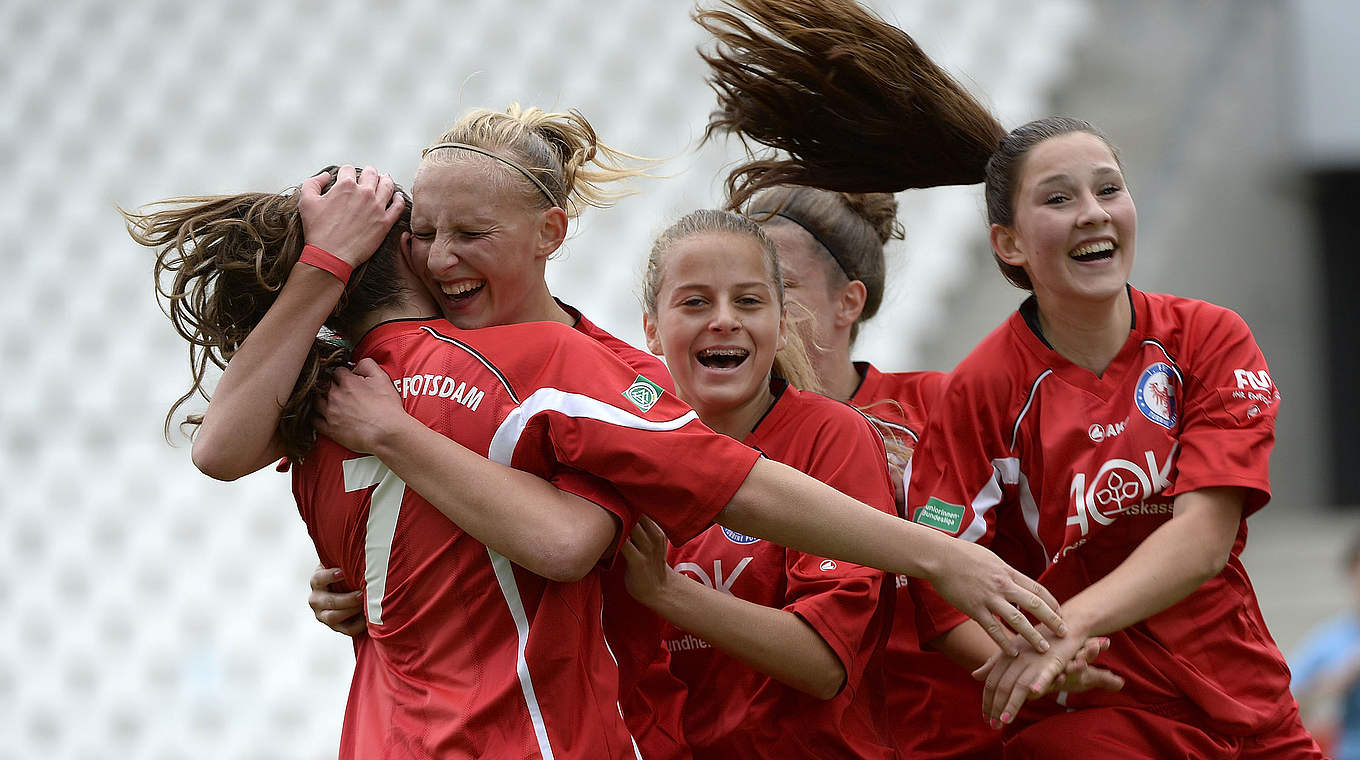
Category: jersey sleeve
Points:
column 842, row 601
column 596, row 414
column 960, row 474
column 1228, row 427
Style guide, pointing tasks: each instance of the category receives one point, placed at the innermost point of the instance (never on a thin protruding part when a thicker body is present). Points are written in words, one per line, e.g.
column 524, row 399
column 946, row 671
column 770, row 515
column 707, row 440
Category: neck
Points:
column 738, row 421
column 1089, row 334
column 545, row 308
column 406, row 309
column 835, row 373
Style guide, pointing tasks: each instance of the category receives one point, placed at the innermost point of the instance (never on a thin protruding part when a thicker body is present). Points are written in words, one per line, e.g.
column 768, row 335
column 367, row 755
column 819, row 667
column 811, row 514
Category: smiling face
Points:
column 1074, row 222
column 484, row 249
column 718, row 322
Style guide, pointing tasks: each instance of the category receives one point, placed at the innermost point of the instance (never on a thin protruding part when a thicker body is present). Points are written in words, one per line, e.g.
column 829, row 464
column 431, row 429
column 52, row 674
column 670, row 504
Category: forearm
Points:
column 520, row 515
column 966, row 644
column 773, row 641
column 782, row 505
column 1169, row 565
column 238, row 434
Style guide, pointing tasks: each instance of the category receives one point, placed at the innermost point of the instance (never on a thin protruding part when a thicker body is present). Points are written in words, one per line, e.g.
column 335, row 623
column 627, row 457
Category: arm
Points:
column 556, row 534
column 238, row 434
column 783, row 505
column 773, row 641
column 1177, row 558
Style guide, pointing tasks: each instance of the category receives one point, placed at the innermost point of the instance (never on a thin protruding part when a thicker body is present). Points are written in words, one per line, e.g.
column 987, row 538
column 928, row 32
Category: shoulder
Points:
column 644, row 363
column 1194, row 321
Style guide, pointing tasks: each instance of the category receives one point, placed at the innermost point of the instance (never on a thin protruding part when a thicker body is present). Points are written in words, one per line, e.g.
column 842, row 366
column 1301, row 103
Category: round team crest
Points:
column 738, row 538
column 1156, row 395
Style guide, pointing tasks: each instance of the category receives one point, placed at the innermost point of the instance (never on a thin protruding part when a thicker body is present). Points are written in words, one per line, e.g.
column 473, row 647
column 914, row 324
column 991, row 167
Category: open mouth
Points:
column 1103, row 249
column 722, row 358
column 462, row 290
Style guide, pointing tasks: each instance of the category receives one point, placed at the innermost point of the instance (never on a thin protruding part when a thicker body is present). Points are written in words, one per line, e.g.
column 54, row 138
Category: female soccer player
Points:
column 780, row 651
column 1115, row 442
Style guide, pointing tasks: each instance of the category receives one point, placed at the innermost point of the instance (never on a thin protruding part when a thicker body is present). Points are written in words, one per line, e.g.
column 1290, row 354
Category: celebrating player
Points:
column 780, row 651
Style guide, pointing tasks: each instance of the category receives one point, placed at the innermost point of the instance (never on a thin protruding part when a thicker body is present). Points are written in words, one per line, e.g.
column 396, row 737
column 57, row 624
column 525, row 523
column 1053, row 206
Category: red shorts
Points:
column 1127, row 732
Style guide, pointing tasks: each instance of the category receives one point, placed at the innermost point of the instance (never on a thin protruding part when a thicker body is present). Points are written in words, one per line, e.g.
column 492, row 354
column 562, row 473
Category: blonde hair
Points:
column 790, row 362
column 560, row 150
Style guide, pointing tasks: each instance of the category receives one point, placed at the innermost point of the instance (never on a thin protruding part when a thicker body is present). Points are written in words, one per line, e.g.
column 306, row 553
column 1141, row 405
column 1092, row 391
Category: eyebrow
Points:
column 740, row 285
column 1063, row 177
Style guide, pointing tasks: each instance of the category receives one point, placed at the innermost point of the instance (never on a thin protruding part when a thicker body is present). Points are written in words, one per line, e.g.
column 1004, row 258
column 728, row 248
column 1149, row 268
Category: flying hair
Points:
column 851, row 101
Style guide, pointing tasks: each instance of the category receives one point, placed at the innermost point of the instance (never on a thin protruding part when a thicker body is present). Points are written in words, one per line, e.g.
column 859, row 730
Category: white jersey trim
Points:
column 505, row 577
column 1033, row 390
column 507, row 436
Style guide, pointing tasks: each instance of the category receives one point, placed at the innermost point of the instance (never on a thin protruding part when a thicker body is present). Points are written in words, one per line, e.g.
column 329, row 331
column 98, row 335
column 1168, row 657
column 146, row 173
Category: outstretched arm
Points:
column 775, row 642
column 238, row 434
column 783, row 505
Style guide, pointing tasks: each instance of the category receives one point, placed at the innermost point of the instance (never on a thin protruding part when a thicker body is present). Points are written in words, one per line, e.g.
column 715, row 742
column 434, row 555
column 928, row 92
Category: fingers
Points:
column 1100, row 678
column 1016, row 621
column 1037, row 600
column 312, row 187
column 998, row 634
column 322, row 579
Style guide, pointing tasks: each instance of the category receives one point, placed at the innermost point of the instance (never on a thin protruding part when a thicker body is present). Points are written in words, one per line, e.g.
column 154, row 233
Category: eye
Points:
column 749, row 301
column 1055, row 199
column 692, row 302
column 1110, row 189
column 422, row 234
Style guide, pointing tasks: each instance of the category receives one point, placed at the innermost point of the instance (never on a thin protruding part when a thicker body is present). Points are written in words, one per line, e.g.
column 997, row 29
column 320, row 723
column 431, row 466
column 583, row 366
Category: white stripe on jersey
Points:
column 1004, row 471
column 502, row 450
column 505, row 576
column 572, row 405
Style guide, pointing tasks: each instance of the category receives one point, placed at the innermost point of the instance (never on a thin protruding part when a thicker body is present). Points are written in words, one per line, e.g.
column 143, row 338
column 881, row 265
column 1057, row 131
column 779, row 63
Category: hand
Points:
column 645, row 553
column 353, row 216
column 1014, row 680
column 341, row 611
column 991, row 592
column 360, row 408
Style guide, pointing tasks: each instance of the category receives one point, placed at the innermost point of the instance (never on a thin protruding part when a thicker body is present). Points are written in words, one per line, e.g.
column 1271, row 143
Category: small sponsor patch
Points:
column 828, row 565
column 1245, row 404
column 940, row 514
column 738, row 538
column 1155, row 395
column 643, row 393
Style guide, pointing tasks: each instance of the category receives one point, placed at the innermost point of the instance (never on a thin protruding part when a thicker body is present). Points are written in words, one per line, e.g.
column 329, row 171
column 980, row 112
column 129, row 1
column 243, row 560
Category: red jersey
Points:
column 1063, row 474
column 935, row 704
column 471, row 655
column 653, row 711
column 734, row 711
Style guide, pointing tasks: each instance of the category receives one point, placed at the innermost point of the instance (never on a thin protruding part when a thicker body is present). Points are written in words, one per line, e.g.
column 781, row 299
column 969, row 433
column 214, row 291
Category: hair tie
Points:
column 323, row 259
column 513, row 164
column 831, row 251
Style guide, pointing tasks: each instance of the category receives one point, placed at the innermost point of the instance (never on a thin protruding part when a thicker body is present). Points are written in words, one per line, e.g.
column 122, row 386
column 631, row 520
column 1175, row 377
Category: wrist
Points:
column 395, row 432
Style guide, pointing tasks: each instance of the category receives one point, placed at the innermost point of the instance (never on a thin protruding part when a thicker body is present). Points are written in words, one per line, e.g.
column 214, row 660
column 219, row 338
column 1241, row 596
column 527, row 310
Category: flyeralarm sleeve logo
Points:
column 940, row 514
column 643, row 393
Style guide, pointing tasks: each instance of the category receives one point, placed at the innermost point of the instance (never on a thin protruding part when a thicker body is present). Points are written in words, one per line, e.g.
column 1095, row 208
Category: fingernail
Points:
column 1043, row 645
column 1062, row 629
column 1005, row 717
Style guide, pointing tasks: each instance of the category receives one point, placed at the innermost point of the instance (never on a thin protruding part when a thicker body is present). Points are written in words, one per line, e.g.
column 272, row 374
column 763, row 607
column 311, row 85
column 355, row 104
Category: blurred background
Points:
column 154, row 613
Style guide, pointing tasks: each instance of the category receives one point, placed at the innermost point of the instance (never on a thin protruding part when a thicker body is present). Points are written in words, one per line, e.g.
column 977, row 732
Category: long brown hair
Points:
column 855, row 103
column 220, row 263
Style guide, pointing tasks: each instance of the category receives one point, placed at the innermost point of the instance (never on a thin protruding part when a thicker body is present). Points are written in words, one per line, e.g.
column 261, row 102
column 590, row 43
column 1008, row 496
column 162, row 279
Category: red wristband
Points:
column 313, row 256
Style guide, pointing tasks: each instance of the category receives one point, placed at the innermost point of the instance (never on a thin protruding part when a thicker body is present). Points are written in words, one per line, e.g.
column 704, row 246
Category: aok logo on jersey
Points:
column 716, row 580
column 1116, row 486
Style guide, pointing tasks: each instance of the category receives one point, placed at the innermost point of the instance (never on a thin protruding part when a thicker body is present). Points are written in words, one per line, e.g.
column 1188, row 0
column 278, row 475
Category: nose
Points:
column 1093, row 212
column 724, row 319
column 442, row 257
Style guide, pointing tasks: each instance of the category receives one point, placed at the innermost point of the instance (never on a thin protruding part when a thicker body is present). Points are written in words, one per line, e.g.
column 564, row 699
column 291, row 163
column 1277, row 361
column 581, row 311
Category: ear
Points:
column 850, row 304
column 1007, row 245
column 650, row 332
column 552, row 230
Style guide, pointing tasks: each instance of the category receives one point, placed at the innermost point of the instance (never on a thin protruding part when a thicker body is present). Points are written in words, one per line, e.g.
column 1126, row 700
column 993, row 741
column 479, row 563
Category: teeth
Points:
column 1091, row 248
column 724, row 352
column 722, row 358
column 459, row 288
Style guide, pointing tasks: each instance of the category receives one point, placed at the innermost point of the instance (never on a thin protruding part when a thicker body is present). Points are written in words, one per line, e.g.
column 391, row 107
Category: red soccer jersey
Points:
column 1064, row 474
column 935, row 704
column 654, row 711
column 472, row 656
column 735, row 711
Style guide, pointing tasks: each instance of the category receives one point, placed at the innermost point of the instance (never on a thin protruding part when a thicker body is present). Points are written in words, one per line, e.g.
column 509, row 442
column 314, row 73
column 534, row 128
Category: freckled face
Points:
column 480, row 246
column 718, row 323
column 1075, row 222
